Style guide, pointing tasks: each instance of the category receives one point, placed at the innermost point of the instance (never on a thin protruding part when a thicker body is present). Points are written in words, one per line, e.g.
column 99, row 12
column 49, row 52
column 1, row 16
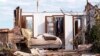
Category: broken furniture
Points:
column 41, row 41
column 17, row 40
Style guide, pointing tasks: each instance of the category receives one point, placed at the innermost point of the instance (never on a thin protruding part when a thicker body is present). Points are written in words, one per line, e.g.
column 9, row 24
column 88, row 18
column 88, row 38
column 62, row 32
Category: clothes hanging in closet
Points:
column 59, row 26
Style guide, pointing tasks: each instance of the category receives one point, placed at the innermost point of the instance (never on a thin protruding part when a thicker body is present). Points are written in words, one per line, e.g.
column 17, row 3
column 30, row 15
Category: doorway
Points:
column 28, row 23
column 76, row 31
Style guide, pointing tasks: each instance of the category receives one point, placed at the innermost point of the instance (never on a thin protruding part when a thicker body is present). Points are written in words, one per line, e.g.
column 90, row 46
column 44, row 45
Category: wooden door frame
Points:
column 32, row 23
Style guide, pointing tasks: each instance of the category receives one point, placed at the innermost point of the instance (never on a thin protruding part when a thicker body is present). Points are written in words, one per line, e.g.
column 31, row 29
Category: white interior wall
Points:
column 39, row 22
column 68, row 32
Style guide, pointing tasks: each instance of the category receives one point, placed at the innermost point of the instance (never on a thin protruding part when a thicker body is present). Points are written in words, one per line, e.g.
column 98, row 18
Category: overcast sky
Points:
column 7, row 7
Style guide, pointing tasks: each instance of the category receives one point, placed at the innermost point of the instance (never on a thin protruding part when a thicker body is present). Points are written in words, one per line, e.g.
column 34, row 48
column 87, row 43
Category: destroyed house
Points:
column 47, row 22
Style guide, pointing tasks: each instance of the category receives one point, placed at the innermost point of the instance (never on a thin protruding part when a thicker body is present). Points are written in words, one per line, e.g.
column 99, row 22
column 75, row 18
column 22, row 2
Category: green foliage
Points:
column 94, row 37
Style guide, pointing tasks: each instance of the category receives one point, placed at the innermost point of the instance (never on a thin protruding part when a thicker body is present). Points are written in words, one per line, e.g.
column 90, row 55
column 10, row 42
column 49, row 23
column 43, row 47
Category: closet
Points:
column 55, row 25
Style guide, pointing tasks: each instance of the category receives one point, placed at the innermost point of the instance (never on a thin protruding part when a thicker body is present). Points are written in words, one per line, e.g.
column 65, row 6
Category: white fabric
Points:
column 45, row 34
column 41, row 41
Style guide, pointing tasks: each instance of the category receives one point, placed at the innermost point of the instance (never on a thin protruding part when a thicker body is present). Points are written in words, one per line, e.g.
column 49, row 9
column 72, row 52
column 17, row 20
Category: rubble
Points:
column 19, row 53
column 34, row 52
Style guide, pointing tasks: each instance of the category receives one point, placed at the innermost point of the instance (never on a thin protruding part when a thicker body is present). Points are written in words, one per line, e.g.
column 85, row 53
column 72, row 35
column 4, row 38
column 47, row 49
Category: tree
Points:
column 94, row 38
